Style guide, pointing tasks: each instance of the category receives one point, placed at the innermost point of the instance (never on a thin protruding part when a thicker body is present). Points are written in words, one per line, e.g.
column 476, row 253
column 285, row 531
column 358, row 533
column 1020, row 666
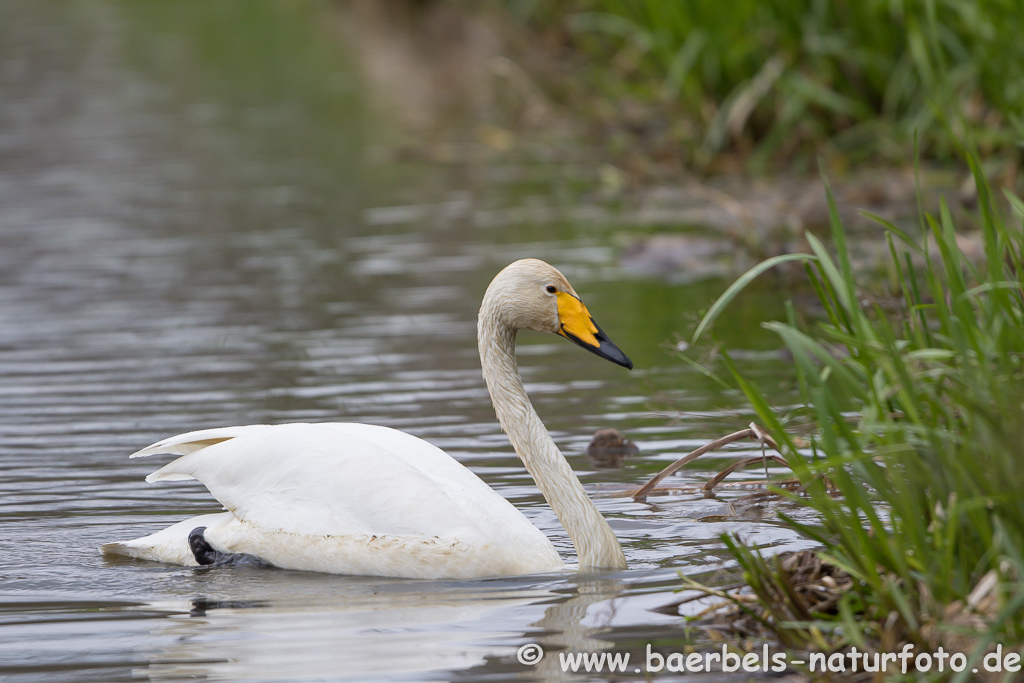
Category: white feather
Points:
column 346, row 498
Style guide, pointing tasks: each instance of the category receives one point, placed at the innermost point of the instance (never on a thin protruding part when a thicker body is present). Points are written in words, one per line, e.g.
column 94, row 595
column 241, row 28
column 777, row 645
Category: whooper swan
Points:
column 366, row 500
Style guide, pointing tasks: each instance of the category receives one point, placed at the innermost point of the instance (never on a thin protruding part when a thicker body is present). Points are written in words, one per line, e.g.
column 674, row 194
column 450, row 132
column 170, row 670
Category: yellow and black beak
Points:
column 575, row 324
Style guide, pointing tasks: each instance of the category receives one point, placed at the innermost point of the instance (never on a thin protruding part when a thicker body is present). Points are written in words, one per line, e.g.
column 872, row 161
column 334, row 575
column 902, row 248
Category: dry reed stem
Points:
column 752, row 432
column 740, row 464
column 807, row 588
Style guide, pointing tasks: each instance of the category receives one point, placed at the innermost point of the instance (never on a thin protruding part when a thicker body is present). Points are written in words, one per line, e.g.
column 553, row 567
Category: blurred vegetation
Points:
column 913, row 408
column 273, row 73
column 770, row 81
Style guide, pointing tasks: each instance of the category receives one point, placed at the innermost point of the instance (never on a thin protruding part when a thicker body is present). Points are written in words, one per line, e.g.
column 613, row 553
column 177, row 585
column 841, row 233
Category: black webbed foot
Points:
column 208, row 557
column 201, row 550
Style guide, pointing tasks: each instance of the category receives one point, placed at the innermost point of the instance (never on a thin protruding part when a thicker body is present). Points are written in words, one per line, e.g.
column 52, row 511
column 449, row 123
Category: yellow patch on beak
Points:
column 574, row 321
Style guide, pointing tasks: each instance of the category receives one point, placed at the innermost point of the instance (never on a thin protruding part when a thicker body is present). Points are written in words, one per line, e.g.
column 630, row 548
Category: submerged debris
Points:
column 795, row 600
column 608, row 448
column 809, row 587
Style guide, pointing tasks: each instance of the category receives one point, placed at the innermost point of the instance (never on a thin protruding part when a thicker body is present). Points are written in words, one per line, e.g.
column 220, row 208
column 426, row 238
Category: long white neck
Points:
column 596, row 544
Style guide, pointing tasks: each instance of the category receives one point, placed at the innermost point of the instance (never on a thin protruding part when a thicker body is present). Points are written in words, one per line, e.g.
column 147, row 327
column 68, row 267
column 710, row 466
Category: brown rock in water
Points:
column 609, row 447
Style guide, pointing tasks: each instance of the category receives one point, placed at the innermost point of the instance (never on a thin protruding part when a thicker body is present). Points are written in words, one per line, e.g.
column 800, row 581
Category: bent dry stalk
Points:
column 752, row 432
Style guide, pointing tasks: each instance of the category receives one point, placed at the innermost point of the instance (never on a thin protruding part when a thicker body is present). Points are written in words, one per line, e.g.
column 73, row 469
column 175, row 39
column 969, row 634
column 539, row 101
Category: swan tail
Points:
column 167, row 545
column 141, row 549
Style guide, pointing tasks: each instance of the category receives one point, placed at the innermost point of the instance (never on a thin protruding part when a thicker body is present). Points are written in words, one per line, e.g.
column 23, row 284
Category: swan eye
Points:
column 551, row 289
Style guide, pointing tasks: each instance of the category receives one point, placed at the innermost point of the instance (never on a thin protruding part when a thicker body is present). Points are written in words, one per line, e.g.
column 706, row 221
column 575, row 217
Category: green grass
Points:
column 778, row 78
column 917, row 416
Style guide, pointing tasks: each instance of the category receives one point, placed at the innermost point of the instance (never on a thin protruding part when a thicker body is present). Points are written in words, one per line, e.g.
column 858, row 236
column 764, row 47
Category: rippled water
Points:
column 174, row 257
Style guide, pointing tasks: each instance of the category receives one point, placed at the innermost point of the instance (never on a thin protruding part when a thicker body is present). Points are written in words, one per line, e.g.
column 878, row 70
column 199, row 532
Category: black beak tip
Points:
column 612, row 353
column 605, row 348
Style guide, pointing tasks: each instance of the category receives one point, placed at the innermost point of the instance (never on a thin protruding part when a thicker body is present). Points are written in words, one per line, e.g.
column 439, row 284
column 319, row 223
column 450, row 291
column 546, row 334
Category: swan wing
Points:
column 341, row 479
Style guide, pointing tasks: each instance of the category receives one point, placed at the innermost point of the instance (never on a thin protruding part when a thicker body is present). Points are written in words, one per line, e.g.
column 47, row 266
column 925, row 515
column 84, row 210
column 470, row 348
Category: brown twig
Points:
column 740, row 464
column 642, row 492
column 673, row 607
column 752, row 432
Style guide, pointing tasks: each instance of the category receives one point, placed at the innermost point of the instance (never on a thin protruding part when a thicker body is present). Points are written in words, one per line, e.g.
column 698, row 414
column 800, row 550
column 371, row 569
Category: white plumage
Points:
column 361, row 499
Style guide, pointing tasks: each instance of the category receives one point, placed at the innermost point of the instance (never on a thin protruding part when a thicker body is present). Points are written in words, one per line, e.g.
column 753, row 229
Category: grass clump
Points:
column 777, row 78
column 917, row 419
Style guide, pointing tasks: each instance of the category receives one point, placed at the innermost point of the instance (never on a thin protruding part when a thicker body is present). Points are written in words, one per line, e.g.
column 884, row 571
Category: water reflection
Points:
column 355, row 630
column 369, row 628
column 568, row 629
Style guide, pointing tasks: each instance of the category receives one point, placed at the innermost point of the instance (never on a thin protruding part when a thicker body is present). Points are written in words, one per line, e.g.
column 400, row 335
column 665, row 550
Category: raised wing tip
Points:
column 183, row 444
column 162, row 446
column 160, row 475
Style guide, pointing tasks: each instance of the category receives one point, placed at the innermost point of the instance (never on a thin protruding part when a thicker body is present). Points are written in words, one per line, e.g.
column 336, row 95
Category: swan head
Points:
column 530, row 294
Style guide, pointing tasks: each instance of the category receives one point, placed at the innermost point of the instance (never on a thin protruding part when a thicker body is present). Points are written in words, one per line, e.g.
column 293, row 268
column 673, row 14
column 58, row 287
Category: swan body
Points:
column 360, row 499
